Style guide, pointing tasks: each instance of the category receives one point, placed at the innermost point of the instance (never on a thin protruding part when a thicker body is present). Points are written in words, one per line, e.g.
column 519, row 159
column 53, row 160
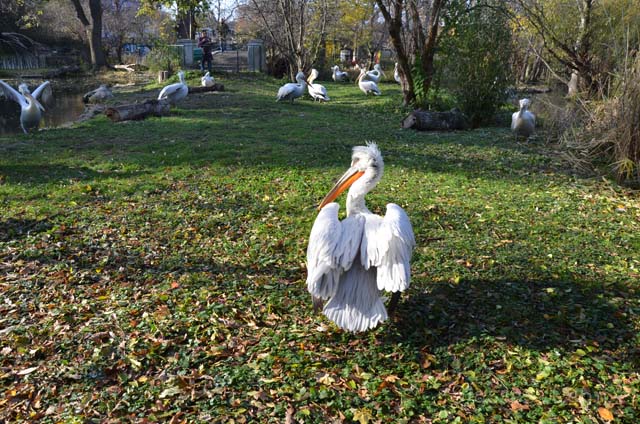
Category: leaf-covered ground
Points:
column 154, row 271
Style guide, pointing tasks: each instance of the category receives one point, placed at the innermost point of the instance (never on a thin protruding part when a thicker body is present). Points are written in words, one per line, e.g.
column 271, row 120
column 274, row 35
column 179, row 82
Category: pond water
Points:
column 64, row 107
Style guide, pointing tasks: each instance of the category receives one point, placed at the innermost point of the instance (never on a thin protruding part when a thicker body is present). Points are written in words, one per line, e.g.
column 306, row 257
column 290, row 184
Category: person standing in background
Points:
column 205, row 43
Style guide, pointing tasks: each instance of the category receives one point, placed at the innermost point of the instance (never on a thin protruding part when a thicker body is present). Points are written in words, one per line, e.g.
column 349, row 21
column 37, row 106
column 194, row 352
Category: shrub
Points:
column 164, row 57
column 475, row 58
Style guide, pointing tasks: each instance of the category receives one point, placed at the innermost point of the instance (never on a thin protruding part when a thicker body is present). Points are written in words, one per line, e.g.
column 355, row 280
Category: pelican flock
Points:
column 207, row 80
column 366, row 85
column 175, row 92
column 31, row 109
column 350, row 262
column 338, row 75
column 523, row 122
column 292, row 90
column 316, row 91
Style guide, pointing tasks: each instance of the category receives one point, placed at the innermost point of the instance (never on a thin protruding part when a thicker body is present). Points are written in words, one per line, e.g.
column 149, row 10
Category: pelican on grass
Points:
column 339, row 75
column 98, row 95
column 31, row 109
column 367, row 86
column 175, row 92
column 396, row 74
column 207, row 80
column 523, row 122
column 316, row 91
column 375, row 74
column 292, row 90
column 350, row 262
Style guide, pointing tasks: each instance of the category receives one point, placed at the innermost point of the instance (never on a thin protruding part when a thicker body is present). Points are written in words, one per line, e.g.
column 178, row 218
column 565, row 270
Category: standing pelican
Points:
column 207, row 80
column 316, row 91
column 338, row 75
column 98, row 95
column 523, row 122
column 31, row 109
column 376, row 74
column 292, row 90
column 175, row 92
column 396, row 74
column 351, row 261
column 367, row 86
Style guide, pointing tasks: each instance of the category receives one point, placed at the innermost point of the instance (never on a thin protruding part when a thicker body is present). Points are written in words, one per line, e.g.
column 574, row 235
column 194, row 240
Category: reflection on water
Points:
column 64, row 107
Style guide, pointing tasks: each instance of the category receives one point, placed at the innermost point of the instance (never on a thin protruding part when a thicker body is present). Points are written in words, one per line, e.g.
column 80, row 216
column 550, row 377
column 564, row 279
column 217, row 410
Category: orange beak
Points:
column 349, row 177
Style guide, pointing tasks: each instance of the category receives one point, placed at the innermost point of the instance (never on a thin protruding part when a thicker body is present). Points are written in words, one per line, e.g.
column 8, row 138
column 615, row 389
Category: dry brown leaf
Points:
column 605, row 414
column 517, row 406
column 290, row 413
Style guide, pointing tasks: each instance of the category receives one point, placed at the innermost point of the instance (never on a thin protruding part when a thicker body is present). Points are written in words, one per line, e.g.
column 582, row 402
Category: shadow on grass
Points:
column 13, row 229
column 536, row 314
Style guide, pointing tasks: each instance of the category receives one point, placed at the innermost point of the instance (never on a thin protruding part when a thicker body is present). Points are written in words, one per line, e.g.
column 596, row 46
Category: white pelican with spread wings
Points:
column 352, row 262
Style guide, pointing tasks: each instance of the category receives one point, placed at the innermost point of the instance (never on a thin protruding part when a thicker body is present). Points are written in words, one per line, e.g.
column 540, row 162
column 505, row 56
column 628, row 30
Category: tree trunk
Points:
column 138, row 111
column 93, row 30
column 428, row 48
column 394, row 23
column 98, row 59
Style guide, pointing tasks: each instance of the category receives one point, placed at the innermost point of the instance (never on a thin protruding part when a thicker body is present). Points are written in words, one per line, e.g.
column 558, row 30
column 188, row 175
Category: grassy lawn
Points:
column 154, row 271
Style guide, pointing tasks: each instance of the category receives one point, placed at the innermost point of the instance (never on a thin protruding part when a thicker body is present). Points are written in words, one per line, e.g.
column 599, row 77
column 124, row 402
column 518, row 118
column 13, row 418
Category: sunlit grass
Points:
column 155, row 269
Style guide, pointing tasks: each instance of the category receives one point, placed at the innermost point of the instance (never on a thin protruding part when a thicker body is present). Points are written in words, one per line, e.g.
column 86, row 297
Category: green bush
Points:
column 475, row 58
column 164, row 57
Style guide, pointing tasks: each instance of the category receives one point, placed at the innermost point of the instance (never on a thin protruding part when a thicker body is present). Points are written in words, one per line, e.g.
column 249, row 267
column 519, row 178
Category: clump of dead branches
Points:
column 606, row 130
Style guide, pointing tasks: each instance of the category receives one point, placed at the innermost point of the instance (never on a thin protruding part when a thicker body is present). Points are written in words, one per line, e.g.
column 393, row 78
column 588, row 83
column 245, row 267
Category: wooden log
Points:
column 131, row 67
column 424, row 120
column 137, row 111
column 90, row 112
column 201, row 89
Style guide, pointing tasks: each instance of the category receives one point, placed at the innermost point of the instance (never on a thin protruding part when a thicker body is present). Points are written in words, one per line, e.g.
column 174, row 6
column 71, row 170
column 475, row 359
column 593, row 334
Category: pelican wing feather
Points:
column 285, row 92
column 333, row 246
column 169, row 90
column 13, row 94
column 38, row 92
column 387, row 244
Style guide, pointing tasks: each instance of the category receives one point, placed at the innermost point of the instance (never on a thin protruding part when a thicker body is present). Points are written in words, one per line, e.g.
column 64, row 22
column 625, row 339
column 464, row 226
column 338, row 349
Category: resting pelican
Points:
column 396, row 74
column 316, row 91
column 292, row 90
column 31, row 109
column 175, row 92
column 338, row 75
column 523, row 122
column 98, row 95
column 351, row 261
column 376, row 74
column 207, row 80
column 367, row 86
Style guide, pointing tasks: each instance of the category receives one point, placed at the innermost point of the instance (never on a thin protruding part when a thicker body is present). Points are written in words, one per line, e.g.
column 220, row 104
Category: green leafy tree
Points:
column 476, row 56
column 186, row 11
